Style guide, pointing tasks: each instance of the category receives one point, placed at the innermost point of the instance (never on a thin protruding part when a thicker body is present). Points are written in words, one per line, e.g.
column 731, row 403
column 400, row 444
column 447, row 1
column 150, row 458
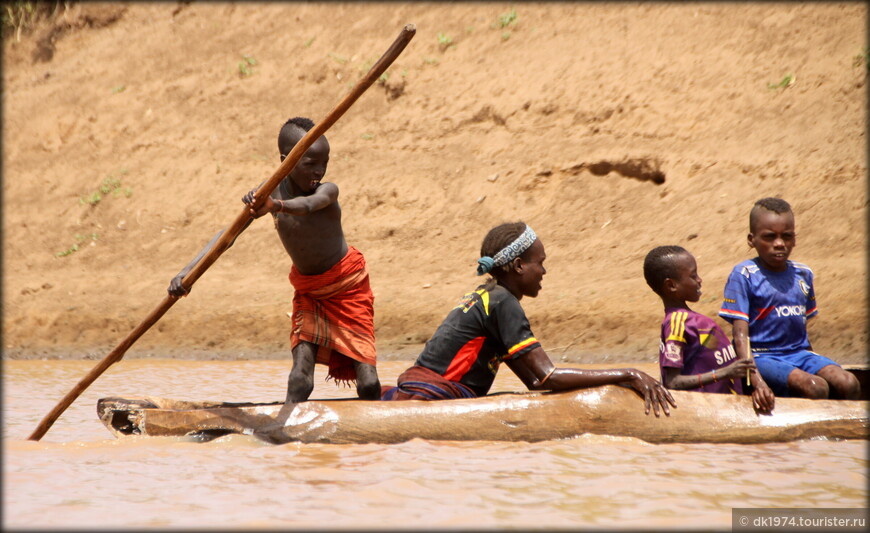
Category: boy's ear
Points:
column 749, row 240
column 517, row 265
column 669, row 285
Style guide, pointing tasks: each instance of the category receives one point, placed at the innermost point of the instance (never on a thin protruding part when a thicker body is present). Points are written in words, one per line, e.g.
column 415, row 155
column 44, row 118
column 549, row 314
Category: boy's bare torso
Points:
column 315, row 242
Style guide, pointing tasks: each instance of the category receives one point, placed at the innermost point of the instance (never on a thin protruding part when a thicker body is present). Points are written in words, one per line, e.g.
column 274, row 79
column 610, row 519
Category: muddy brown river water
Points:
column 79, row 476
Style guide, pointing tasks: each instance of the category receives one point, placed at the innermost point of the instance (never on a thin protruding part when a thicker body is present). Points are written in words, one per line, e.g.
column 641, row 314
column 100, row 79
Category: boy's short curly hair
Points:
column 659, row 264
column 774, row 205
column 287, row 135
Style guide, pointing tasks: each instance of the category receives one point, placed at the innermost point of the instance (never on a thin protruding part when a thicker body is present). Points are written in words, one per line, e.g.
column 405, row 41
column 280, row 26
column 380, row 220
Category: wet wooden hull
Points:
column 609, row 410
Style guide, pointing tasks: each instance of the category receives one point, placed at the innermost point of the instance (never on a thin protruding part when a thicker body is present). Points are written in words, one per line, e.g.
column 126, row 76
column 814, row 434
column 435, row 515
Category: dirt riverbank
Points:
column 610, row 128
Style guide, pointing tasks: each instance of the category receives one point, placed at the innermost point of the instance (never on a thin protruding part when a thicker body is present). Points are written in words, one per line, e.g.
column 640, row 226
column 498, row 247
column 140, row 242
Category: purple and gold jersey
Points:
column 776, row 305
column 486, row 328
column 695, row 344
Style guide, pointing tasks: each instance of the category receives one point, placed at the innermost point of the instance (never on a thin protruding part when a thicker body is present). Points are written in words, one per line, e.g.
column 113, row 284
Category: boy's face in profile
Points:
column 311, row 168
column 773, row 238
column 686, row 286
column 533, row 269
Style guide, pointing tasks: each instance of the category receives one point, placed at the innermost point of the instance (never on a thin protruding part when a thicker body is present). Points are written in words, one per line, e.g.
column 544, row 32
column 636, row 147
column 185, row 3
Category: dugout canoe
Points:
column 530, row 416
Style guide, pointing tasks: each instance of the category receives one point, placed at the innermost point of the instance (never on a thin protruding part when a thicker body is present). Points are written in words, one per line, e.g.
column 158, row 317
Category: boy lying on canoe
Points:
column 489, row 327
column 768, row 300
column 694, row 352
column 333, row 304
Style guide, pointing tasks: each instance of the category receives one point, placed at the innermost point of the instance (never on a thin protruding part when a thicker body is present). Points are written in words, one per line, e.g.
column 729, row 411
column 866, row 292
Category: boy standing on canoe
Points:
column 489, row 327
column 333, row 304
column 768, row 301
column 694, row 352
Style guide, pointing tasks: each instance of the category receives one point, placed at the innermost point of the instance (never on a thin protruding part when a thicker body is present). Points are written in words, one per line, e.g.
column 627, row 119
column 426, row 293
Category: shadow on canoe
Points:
column 529, row 416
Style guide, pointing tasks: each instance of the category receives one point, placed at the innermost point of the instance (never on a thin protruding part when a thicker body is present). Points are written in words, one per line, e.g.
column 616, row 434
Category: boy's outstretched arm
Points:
column 736, row 370
column 175, row 286
column 537, row 372
column 324, row 195
column 762, row 396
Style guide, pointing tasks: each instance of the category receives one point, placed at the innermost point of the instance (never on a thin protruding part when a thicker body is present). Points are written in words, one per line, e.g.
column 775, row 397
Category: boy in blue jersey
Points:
column 768, row 300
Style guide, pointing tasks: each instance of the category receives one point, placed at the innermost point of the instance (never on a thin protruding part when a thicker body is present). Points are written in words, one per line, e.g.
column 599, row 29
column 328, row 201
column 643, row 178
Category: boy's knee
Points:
column 369, row 391
column 368, row 386
column 808, row 385
column 299, row 386
column 844, row 385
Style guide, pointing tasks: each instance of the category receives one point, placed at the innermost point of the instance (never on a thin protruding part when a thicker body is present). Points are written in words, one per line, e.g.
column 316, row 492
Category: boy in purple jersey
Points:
column 768, row 300
column 694, row 352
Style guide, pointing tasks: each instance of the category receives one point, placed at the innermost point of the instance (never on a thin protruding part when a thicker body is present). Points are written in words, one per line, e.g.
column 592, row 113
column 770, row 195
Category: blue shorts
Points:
column 776, row 368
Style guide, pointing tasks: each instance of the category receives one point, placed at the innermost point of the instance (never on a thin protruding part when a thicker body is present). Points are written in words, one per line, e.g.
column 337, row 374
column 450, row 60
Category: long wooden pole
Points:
column 234, row 229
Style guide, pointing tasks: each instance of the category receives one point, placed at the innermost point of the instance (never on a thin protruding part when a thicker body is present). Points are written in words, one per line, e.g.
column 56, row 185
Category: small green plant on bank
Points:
column 80, row 239
column 506, row 19
column 119, row 89
column 111, row 185
column 505, row 36
column 307, row 43
column 861, row 59
column 18, row 17
column 787, row 81
column 91, row 199
column 367, row 136
column 246, row 66
column 445, row 41
column 430, row 61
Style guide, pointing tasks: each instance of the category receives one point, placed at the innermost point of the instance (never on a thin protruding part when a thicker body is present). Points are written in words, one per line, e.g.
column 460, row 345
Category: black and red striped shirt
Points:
column 486, row 328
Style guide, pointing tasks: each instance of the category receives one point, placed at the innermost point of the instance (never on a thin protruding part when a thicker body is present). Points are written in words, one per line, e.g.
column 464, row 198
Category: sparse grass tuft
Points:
column 91, row 199
column 246, row 66
column 111, row 185
column 787, row 81
column 861, row 60
column 80, row 239
column 506, row 19
column 445, row 41
column 19, row 17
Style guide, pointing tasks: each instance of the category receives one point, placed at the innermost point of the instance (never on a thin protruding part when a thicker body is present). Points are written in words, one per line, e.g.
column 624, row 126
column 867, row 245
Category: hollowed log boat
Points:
column 529, row 416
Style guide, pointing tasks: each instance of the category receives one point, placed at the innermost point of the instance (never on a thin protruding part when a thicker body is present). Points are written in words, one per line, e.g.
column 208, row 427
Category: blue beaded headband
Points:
column 513, row 250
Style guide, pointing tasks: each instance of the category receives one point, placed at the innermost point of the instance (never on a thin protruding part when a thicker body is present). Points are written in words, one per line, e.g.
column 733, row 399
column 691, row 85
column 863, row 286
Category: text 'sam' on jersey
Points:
column 486, row 328
column 775, row 304
column 695, row 344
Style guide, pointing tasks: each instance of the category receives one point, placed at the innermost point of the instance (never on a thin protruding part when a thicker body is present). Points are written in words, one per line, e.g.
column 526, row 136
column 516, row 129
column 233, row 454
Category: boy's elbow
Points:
column 536, row 386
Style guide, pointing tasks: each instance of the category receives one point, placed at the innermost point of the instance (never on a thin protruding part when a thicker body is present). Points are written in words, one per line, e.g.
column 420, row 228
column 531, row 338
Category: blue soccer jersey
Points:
column 776, row 305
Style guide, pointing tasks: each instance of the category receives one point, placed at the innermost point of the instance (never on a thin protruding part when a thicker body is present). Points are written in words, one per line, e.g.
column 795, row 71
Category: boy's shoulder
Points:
column 801, row 267
column 490, row 300
column 680, row 317
column 750, row 268
column 746, row 268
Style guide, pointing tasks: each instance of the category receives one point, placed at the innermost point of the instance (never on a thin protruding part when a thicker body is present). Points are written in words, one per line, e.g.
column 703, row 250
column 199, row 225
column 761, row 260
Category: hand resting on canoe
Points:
column 537, row 372
column 489, row 327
